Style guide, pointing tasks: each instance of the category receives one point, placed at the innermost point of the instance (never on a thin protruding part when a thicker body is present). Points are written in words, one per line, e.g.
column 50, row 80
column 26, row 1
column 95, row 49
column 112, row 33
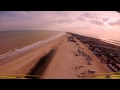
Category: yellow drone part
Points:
column 8, row 77
column 15, row 76
column 110, row 77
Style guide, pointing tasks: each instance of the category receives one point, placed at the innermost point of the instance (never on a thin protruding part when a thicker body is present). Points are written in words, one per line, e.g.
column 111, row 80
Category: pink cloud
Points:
column 85, row 22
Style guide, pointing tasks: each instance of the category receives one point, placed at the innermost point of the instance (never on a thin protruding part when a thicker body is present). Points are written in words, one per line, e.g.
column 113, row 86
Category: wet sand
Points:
column 64, row 64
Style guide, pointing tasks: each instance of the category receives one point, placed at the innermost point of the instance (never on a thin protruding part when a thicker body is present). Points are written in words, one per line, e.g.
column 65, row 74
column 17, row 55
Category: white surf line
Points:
column 17, row 52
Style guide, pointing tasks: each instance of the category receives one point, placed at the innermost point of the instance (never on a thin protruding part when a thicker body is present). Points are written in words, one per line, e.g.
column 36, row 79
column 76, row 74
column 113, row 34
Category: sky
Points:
column 102, row 24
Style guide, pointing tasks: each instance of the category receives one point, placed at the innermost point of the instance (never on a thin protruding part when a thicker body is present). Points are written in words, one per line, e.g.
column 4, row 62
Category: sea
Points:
column 22, row 40
column 112, row 41
column 115, row 41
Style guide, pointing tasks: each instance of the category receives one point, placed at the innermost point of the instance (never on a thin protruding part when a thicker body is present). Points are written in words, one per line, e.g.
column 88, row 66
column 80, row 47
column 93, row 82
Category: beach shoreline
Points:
column 15, row 40
column 36, row 53
column 64, row 63
column 12, row 54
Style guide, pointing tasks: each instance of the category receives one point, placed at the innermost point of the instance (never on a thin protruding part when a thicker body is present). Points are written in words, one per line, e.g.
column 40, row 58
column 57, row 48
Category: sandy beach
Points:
column 62, row 64
column 66, row 65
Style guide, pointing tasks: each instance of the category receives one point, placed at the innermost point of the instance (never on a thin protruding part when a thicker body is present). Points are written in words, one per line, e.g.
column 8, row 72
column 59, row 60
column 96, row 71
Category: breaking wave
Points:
column 17, row 52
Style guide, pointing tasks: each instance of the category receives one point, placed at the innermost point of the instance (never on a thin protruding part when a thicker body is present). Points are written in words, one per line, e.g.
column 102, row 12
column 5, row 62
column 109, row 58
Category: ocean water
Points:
column 13, row 40
column 111, row 41
column 116, row 42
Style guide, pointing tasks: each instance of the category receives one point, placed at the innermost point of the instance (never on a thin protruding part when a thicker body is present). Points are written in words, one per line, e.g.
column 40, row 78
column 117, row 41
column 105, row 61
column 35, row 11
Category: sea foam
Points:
column 17, row 52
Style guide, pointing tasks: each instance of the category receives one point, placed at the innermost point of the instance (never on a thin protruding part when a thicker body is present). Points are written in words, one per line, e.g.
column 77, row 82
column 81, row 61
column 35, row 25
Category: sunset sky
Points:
column 102, row 24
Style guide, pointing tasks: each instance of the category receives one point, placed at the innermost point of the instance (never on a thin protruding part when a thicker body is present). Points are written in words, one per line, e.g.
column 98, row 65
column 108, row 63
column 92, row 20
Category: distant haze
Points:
column 102, row 24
